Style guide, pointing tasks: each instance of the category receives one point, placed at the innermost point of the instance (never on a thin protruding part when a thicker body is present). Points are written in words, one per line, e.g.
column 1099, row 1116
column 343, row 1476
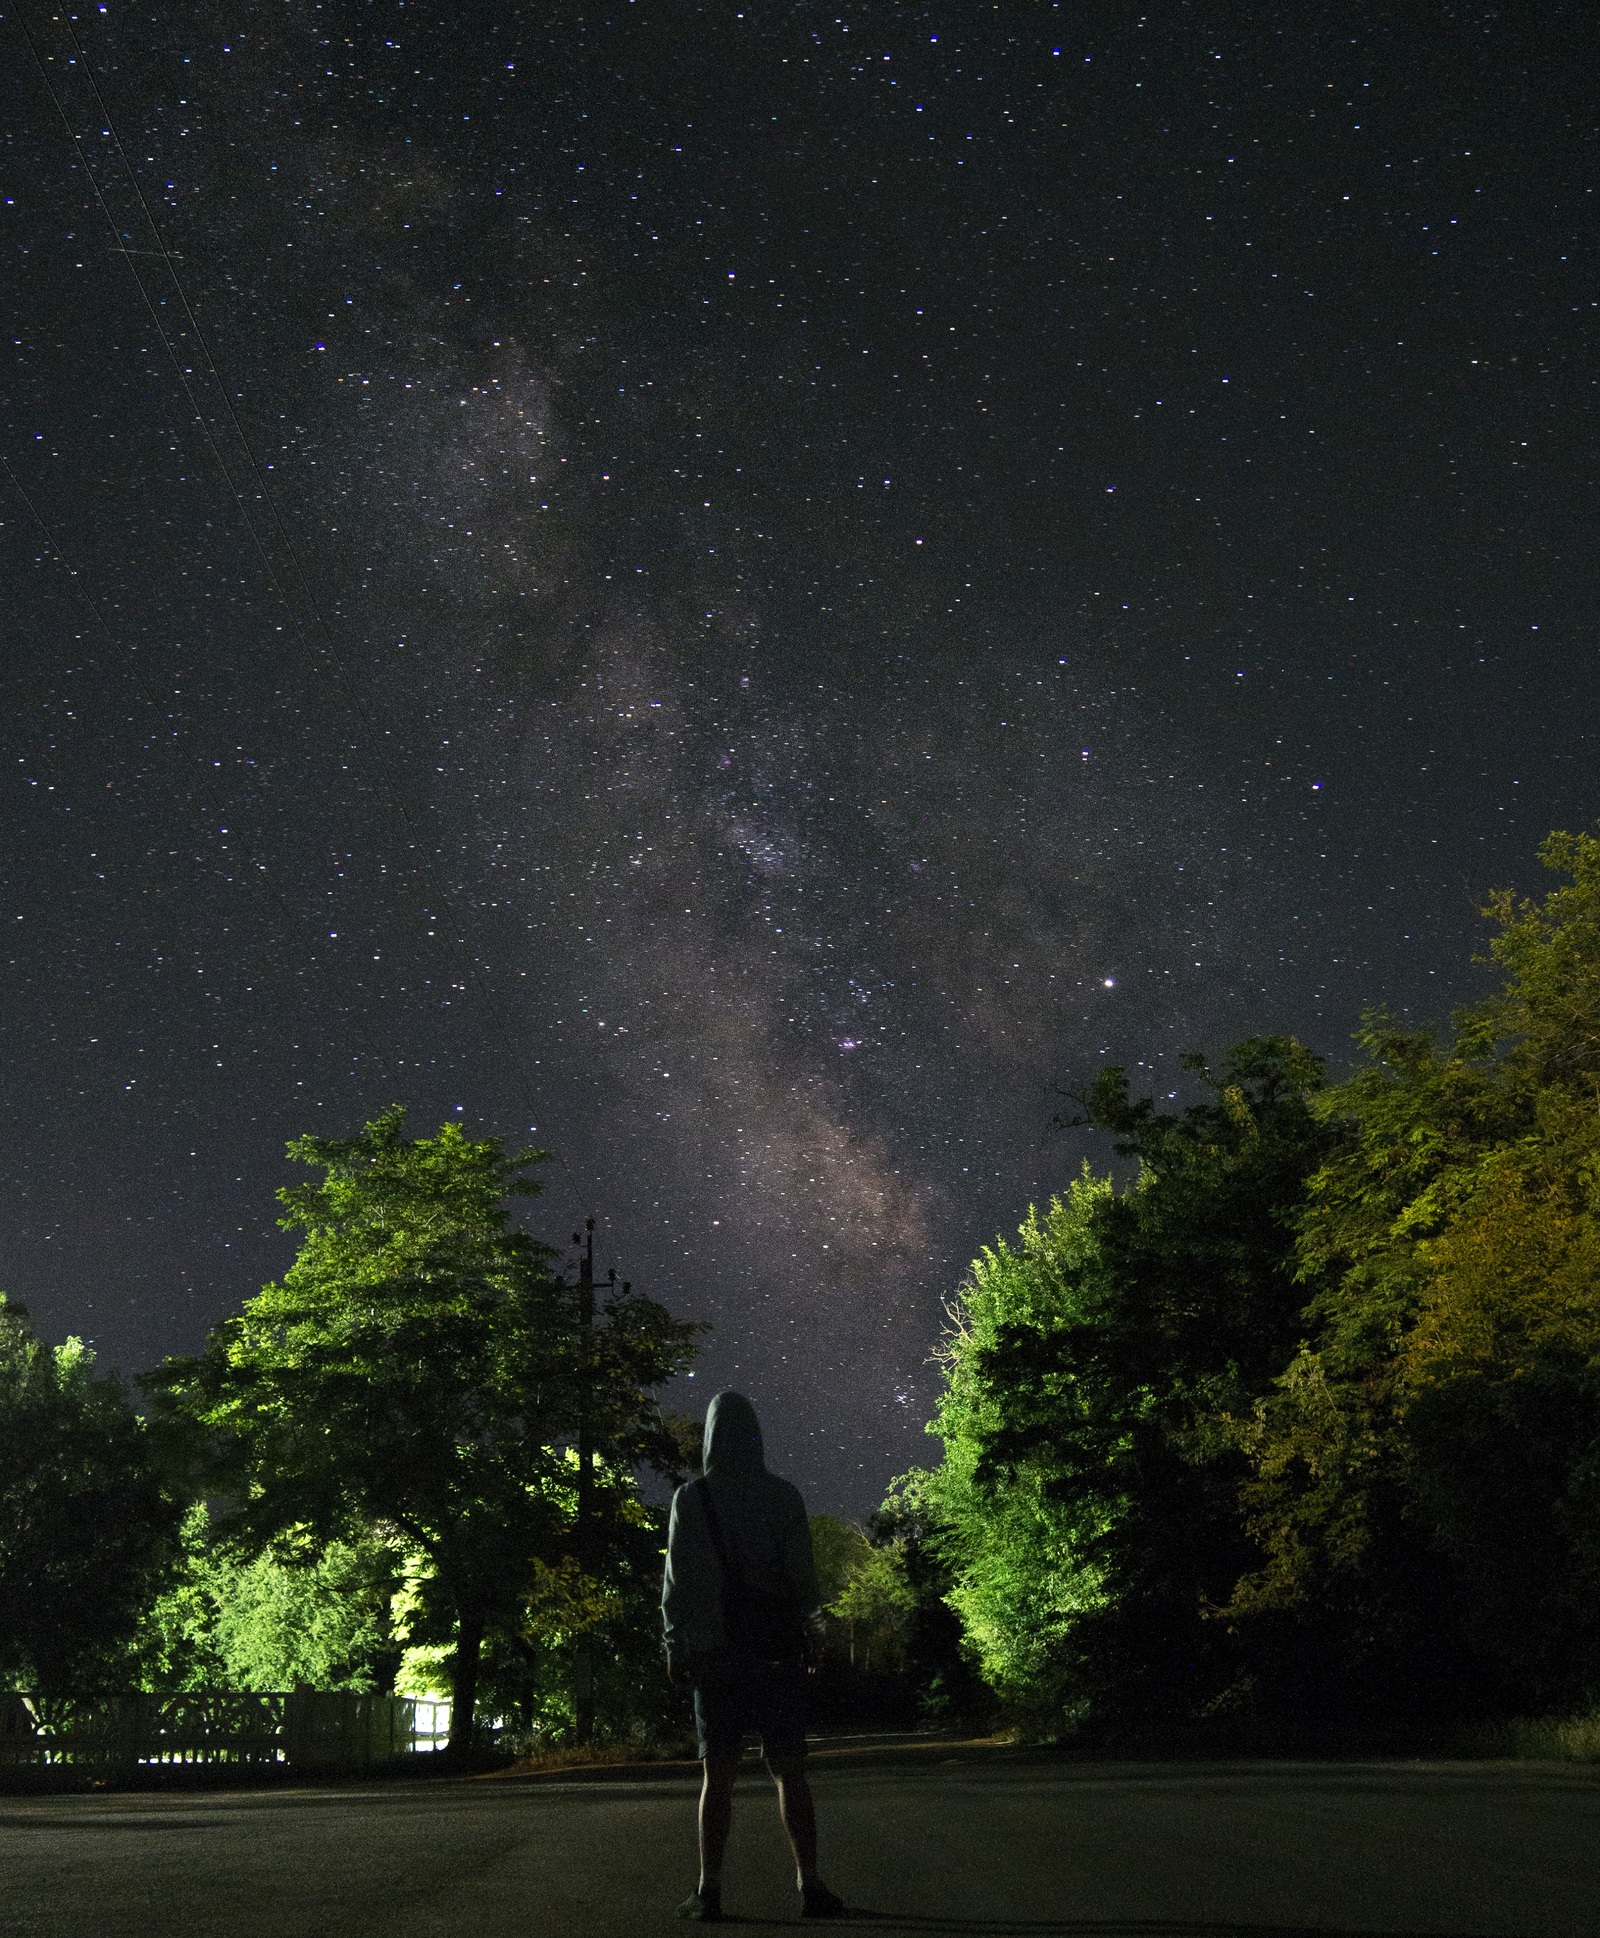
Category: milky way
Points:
column 750, row 600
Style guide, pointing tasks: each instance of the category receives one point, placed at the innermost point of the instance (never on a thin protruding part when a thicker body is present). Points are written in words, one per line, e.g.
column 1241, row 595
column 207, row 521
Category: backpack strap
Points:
column 731, row 1577
column 753, row 1621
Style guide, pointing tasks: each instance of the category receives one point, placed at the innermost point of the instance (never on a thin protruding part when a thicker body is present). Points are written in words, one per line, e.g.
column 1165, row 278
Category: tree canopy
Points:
column 299, row 1613
column 1089, row 1489
column 1428, row 1464
column 1304, row 1423
column 87, row 1527
column 421, row 1370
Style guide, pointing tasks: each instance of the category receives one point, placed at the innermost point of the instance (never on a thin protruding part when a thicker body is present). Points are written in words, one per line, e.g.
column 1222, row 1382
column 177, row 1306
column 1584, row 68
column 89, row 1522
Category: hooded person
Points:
column 740, row 1610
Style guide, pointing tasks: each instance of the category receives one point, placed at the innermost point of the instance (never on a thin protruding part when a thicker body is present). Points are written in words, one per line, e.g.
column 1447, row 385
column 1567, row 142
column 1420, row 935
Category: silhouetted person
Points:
column 740, row 1608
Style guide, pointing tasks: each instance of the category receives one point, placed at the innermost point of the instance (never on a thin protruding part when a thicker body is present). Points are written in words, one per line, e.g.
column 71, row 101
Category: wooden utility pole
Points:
column 588, row 1548
column 583, row 1655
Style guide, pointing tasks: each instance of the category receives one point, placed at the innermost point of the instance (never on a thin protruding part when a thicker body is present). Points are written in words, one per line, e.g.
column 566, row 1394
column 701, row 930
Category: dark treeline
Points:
column 410, row 1466
column 1297, row 1437
column 1292, row 1440
column 370, row 1478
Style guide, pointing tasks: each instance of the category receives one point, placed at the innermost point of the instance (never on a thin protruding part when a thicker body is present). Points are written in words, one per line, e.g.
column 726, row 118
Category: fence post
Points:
column 295, row 1724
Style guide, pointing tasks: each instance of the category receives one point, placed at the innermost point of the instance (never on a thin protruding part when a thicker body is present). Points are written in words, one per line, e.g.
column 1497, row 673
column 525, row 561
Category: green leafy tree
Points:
column 865, row 1594
column 293, row 1614
column 87, row 1525
column 875, row 1608
column 526, row 1677
column 421, row 1371
column 1021, row 1546
column 839, row 1547
column 1089, row 1489
column 1427, row 1470
column 941, row 1683
column 1306, row 1422
column 621, row 1616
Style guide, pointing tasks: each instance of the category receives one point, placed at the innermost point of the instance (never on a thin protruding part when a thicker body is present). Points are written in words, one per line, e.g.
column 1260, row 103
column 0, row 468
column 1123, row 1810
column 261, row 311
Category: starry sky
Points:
column 750, row 594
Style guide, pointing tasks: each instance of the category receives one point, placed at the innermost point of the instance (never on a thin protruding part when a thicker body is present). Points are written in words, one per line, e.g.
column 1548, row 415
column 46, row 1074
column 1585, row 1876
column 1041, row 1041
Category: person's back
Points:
column 739, row 1606
column 762, row 1525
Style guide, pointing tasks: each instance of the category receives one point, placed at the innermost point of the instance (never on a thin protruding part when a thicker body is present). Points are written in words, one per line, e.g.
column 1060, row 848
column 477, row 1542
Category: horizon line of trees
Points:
column 1294, row 1436
column 410, row 1466
column 370, row 1474
column 1298, row 1434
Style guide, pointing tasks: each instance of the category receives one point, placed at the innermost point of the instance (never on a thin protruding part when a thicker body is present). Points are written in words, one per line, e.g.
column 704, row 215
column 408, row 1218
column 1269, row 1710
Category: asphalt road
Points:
column 920, row 1843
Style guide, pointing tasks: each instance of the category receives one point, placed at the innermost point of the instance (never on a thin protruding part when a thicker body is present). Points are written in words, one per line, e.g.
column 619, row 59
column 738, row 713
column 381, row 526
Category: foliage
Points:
column 865, row 1593
column 1088, row 1494
column 1023, row 1574
column 1427, row 1471
column 420, row 1371
column 941, row 1682
column 87, row 1526
column 874, row 1609
column 839, row 1548
column 526, row 1680
column 1303, row 1426
column 293, row 1614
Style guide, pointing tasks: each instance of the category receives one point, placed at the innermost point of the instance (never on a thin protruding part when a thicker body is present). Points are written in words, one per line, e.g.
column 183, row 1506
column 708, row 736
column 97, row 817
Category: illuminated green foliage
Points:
column 294, row 1614
column 1303, row 1427
column 420, row 1373
column 1088, row 1494
column 866, row 1594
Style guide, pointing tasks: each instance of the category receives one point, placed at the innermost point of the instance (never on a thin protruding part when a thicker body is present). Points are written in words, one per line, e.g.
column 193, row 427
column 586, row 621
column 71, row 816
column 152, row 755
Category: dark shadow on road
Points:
column 1082, row 1927
column 73, row 1821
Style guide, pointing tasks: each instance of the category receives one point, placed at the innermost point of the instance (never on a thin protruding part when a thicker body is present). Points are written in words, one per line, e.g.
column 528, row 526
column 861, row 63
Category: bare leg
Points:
column 798, row 1811
column 716, row 1811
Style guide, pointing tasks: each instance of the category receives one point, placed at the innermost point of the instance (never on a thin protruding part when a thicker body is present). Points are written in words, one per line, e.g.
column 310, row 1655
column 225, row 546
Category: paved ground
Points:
column 920, row 1843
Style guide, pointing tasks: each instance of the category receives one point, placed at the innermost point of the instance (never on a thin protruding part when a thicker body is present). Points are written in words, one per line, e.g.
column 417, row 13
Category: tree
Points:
column 1305, row 1424
column 864, row 1592
column 420, row 1370
column 1020, row 1545
column 1089, row 1489
column 1426, row 1478
column 875, row 1608
column 942, row 1683
column 292, row 1614
column 87, row 1526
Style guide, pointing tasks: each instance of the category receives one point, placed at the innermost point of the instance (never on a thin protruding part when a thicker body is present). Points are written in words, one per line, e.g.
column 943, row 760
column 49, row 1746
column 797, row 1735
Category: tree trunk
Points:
column 464, row 1682
column 583, row 1688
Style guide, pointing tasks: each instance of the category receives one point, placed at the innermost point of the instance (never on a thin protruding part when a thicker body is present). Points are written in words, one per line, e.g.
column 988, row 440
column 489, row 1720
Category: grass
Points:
column 1565, row 1739
column 577, row 1756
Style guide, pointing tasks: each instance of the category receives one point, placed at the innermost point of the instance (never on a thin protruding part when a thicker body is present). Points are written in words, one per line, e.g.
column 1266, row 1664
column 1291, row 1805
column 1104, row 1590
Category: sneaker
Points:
column 817, row 1901
column 705, row 1905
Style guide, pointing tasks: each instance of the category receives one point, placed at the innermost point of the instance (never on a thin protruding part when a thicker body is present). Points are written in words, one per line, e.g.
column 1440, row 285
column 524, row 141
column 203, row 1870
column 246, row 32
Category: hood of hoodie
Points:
column 733, row 1447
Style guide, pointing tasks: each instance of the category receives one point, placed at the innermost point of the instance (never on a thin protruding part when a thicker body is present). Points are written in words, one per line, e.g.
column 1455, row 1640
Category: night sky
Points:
column 762, row 592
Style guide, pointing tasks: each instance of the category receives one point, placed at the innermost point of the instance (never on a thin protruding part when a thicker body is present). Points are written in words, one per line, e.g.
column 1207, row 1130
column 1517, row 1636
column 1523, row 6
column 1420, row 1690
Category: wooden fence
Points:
column 309, row 1728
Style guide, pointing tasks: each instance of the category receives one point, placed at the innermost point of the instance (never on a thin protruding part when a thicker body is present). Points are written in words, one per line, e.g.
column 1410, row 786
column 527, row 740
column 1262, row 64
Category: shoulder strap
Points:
column 731, row 1577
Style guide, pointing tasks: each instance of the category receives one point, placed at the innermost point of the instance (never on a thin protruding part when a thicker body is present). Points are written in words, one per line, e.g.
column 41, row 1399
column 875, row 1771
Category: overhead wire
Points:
column 331, row 652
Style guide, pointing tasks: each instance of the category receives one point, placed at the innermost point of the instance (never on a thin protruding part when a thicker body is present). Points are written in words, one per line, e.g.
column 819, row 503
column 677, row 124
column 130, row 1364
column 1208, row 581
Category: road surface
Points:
column 920, row 1843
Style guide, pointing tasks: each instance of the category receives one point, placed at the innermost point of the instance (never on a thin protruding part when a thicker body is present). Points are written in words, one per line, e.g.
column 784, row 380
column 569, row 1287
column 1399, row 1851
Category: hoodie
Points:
column 763, row 1522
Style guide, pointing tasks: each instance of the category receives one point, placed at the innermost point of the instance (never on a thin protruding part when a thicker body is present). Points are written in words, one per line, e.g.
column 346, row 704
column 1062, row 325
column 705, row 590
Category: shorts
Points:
column 740, row 1698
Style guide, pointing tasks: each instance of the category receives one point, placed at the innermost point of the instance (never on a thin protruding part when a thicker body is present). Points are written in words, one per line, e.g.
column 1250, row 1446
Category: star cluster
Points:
column 749, row 594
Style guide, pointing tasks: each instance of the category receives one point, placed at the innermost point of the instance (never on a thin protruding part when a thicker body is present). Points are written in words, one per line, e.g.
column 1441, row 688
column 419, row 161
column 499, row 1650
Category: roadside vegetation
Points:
column 1290, row 1439
column 1296, row 1437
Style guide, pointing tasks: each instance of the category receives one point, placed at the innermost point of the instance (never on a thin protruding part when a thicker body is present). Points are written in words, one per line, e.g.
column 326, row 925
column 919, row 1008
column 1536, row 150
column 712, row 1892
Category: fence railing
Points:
column 309, row 1728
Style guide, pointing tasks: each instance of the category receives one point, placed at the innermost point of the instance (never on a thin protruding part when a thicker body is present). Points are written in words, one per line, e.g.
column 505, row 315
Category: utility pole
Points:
column 583, row 1656
column 587, row 1546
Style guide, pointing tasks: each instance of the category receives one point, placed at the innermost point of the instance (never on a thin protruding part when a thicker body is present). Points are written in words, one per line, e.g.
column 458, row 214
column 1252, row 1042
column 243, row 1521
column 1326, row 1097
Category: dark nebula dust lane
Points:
column 748, row 595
